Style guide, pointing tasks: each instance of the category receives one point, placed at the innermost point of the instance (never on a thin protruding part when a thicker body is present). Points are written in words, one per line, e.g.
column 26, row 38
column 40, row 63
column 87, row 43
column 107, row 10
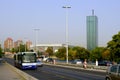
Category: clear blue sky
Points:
column 19, row 18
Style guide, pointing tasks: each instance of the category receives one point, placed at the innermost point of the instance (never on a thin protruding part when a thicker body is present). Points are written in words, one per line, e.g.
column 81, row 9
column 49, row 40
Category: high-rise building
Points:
column 92, row 31
column 8, row 44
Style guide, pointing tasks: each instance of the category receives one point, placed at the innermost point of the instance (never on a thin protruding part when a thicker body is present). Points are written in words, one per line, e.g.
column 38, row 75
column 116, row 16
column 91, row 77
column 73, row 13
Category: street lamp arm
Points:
column 66, row 7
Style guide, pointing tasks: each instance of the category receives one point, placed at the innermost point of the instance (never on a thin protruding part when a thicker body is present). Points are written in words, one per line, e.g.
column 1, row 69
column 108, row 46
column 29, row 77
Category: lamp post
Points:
column 25, row 44
column 66, row 7
column 36, row 37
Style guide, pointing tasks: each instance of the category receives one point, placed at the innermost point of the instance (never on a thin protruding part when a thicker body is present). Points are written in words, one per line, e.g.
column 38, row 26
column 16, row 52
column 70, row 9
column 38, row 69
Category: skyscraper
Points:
column 92, row 31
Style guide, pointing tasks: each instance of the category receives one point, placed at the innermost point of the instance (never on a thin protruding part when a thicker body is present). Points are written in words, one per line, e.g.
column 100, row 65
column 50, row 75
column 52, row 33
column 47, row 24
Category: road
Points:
column 57, row 73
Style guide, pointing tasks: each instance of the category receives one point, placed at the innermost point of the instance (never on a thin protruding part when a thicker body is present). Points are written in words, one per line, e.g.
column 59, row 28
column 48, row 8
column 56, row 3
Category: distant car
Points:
column 104, row 63
column 77, row 61
column 113, row 72
column 39, row 63
column 50, row 60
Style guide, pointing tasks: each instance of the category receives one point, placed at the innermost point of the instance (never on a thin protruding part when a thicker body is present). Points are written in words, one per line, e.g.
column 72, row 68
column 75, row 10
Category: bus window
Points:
column 29, row 58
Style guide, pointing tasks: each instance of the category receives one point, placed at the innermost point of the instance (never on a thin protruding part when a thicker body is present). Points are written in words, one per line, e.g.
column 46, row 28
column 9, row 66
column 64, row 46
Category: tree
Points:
column 61, row 53
column 72, row 54
column 97, row 53
column 81, row 53
column 0, row 52
column 13, row 50
column 20, row 48
column 106, row 54
column 114, row 46
column 50, row 51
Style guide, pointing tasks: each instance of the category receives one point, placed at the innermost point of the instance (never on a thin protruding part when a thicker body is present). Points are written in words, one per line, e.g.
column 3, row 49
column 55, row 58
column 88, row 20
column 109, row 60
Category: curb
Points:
column 21, row 73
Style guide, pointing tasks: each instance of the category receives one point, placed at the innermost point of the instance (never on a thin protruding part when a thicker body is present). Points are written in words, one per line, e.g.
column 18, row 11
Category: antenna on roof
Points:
column 93, row 12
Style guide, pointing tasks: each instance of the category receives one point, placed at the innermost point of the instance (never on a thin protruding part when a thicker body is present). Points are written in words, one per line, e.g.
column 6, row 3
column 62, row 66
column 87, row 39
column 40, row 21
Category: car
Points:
column 104, row 63
column 77, row 61
column 39, row 63
column 49, row 60
column 113, row 72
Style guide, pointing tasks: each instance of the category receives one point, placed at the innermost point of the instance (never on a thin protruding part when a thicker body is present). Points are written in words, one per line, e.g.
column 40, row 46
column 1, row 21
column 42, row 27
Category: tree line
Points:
column 111, row 52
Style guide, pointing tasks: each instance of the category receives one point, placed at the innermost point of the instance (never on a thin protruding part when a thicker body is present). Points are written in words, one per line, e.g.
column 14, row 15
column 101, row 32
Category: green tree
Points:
column 0, row 52
column 97, row 53
column 20, row 48
column 39, row 53
column 72, row 54
column 106, row 54
column 81, row 53
column 13, row 50
column 114, row 46
column 50, row 51
column 61, row 53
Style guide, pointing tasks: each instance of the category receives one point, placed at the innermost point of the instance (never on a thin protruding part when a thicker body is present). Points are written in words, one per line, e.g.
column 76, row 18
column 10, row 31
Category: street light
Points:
column 66, row 7
column 36, row 37
column 25, row 44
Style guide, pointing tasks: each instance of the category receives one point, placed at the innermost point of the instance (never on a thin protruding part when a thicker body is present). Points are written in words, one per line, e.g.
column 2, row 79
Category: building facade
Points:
column 92, row 31
column 28, row 44
column 8, row 44
column 18, row 43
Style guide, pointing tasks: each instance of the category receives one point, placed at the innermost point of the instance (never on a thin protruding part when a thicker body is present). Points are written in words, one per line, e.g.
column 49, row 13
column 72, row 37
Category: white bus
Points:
column 25, row 60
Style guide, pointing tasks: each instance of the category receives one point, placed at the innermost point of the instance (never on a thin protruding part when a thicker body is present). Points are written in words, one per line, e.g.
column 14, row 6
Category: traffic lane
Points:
column 76, row 72
column 41, row 74
column 57, row 73
column 99, row 72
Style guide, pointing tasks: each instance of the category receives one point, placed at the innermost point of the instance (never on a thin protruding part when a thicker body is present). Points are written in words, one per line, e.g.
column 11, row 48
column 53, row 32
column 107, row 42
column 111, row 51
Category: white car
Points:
column 39, row 63
column 77, row 61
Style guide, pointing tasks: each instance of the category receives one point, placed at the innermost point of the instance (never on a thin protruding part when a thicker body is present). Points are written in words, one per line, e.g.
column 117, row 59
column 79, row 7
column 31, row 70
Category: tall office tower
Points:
column 92, row 31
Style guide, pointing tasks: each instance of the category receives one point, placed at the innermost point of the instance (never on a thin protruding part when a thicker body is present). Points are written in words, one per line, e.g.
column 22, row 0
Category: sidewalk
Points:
column 6, row 73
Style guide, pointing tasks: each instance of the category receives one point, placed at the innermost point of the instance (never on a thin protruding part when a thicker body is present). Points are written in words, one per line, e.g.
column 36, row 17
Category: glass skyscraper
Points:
column 92, row 31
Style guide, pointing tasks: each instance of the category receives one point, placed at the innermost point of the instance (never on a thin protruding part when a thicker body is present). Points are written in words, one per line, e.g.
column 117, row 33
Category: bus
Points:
column 25, row 60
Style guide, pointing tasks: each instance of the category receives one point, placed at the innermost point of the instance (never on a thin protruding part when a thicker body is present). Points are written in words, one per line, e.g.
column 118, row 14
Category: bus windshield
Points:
column 29, row 58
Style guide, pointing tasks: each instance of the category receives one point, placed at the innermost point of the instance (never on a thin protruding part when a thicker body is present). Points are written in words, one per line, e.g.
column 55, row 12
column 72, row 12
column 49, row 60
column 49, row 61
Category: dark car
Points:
column 104, row 63
column 50, row 60
column 113, row 72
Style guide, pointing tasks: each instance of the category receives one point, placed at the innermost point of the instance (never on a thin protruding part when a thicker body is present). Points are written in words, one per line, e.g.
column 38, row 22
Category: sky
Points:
column 20, row 18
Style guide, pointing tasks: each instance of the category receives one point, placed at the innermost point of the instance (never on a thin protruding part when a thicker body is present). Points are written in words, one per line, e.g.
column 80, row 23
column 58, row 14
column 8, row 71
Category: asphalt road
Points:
column 58, row 73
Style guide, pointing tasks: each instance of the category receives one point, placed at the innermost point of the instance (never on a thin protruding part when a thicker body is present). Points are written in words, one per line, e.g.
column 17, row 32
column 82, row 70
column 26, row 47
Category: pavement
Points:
column 6, row 73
